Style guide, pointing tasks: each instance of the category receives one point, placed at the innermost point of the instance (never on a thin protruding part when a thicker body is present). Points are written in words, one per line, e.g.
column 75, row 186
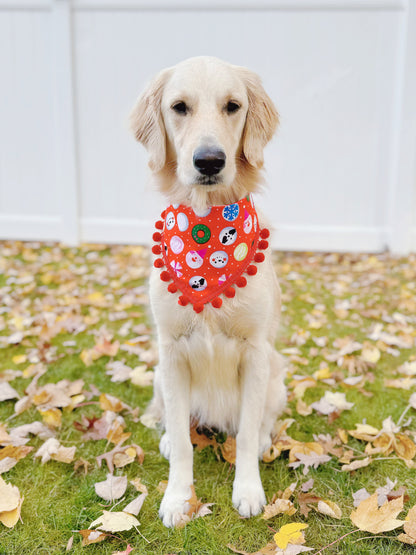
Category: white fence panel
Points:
column 341, row 171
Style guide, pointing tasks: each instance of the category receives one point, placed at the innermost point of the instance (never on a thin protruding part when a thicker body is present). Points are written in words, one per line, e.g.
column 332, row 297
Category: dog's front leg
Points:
column 248, row 494
column 175, row 381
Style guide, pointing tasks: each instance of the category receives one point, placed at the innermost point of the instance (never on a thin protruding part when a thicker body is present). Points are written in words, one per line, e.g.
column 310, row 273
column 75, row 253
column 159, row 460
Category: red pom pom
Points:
column 217, row 302
column 163, row 214
column 252, row 270
column 183, row 301
column 241, row 281
column 159, row 224
column 172, row 288
column 198, row 308
column 158, row 263
column 156, row 249
column 264, row 233
column 258, row 257
column 165, row 276
column 157, row 237
column 229, row 292
column 263, row 244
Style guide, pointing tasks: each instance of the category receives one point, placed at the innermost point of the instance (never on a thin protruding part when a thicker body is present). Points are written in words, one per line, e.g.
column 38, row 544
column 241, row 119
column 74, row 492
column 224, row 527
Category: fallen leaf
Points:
column 135, row 506
column 361, row 463
column 329, row 508
column 52, row 449
column 116, row 521
column 370, row 517
column 290, row 533
column 280, row 506
column 7, row 392
column 10, row 504
column 91, row 536
column 113, row 487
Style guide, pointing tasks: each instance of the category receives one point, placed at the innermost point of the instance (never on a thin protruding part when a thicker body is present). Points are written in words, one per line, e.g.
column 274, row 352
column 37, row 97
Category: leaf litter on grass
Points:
column 348, row 330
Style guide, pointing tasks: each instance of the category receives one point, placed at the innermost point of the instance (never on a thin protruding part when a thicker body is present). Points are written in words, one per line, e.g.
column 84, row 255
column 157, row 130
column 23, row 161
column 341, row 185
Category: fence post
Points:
column 402, row 194
column 65, row 121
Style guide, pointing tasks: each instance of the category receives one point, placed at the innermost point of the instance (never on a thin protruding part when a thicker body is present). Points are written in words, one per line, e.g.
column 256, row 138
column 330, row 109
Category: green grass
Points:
column 59, row 501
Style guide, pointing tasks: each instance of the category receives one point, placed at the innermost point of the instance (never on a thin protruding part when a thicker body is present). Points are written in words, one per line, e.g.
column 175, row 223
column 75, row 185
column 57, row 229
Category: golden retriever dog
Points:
column 205, row 123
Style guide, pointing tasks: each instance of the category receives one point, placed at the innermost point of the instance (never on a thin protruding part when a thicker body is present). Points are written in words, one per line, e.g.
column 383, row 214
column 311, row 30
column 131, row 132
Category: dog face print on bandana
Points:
column 205, row 256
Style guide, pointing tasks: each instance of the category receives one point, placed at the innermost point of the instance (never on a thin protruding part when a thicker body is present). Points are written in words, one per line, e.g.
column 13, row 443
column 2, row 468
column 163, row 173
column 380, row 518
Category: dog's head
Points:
column 205, row 123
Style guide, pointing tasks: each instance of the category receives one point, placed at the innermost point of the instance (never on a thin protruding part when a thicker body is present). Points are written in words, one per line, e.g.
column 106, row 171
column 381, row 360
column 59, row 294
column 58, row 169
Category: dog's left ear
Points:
column 146, row 121
column 262, row 118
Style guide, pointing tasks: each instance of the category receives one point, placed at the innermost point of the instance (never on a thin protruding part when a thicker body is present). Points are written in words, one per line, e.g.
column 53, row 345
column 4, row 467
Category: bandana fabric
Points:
column 206, row 255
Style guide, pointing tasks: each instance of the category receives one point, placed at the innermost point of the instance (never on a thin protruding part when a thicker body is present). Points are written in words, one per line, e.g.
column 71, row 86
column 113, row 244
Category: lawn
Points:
column 348, row 328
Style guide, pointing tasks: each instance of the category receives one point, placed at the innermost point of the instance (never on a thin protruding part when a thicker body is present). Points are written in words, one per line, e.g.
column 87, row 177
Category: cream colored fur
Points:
column 219, row 366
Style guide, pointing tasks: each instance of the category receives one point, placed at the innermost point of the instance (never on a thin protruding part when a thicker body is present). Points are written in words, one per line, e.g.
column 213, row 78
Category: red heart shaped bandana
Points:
column 206, row 255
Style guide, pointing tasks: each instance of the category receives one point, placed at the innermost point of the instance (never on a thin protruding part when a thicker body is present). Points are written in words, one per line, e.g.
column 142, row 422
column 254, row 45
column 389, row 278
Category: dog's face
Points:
column 204, row 108
column 204, row 122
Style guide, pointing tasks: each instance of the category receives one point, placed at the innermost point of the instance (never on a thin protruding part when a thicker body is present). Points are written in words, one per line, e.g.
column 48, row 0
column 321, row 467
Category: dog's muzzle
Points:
column 209, row 160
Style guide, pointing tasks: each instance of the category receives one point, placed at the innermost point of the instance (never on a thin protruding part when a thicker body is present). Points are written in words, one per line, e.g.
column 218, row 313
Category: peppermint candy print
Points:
column 177, row 267
column 230, row 212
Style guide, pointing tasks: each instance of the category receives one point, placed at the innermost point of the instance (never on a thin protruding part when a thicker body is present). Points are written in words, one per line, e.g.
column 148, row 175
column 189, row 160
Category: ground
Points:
column 348, row 327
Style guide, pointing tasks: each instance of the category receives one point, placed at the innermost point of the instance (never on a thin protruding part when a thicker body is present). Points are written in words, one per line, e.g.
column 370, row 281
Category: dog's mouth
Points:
column 209, row 180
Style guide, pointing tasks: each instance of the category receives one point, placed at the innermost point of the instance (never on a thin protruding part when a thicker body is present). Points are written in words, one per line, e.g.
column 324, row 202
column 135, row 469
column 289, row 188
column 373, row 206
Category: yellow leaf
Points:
column 10, row 518
column 371, row 518
column 290, row 533
column 370, row 354
column 52, row 417
column 19, row 359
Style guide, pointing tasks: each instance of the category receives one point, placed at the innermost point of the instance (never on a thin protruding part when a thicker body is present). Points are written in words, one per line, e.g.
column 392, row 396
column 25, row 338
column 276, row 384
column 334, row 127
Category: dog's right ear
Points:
column 146, row 121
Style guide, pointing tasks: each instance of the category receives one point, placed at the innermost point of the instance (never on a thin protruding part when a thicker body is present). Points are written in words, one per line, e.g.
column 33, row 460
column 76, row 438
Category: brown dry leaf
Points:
column 329, row 508
column 115, row 521
column 137, row 483
column 371, row 518
column 364, row 432
column 128, row 450
column 194, row 509
column 306, row 502
column 302, row 408
column 10, row 504
column 357, row 464
column 109, row 402
column 52, row 449
column 82, row 463
column 280, row 506
column 409, row 536
column 228, row 449
column 269, row 549
column 116, row 433
column 11, row 454
column 91, row 536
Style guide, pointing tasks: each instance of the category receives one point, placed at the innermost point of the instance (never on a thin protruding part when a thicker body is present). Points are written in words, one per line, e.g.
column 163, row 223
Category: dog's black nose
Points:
column 209, row 160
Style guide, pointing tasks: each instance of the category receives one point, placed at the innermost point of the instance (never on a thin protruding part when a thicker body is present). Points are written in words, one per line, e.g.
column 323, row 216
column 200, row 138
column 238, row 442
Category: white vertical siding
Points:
column 341, row 171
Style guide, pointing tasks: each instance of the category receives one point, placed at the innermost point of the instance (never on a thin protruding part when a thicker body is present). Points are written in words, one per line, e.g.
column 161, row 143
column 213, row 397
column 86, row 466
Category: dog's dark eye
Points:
column 232, row 107
column 180, row 108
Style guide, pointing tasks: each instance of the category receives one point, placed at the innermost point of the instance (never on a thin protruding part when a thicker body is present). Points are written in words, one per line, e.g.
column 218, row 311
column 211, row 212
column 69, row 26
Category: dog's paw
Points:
column 248, row 499
column 174, row 507
column 164, row 446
